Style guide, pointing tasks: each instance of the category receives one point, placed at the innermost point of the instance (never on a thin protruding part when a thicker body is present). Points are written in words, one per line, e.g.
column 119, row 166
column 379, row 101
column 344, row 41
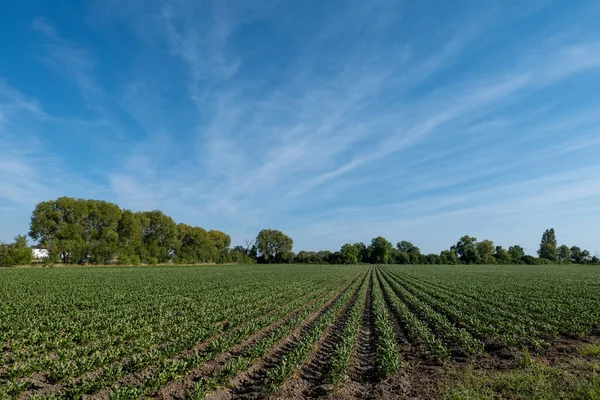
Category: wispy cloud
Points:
column 333, row 121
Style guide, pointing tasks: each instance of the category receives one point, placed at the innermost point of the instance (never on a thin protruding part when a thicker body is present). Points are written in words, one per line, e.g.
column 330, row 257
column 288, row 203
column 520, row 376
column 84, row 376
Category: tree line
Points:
column 99, row 232
column 468, row 250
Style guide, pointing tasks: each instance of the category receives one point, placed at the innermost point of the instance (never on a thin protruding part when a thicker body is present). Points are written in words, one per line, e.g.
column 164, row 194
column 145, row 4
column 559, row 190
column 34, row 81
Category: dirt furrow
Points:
column 248, row 384
column 177, row 389
column 310, row 381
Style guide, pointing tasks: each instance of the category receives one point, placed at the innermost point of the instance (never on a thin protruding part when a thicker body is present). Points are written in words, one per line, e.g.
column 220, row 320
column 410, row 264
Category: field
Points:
column 297, row 331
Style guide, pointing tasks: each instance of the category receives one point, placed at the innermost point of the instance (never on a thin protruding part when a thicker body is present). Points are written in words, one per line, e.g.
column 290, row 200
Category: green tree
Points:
column 221, row 241
column 579, row 256
column 129, row 231
column 160, row 237
column 60, row 226
column 449, row 257
column 349, row 254
column 502, row 256
column 548, row 246
column 363, row 251
column 274, row 246
column 101, row 235
column 486, row 249
column 380, row 250
column 196, row 245
column 17, row 253
column 413, row 252
column 516, row 253
column 564, row 254
column 467, row 251
column 401, row 257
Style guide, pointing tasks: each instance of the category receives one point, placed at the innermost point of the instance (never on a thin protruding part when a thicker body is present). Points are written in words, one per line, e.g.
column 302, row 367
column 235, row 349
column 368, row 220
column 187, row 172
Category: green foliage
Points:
column 534, row 380
column 97, row 232
column 17, row 253
column 579, row 256
column 380, row 251
column 486, row 249
column 349, row 254
column 564, row 254
column 502, row 256
column 153, row 326
column 468, row 251
column 548, row 246
column 516, row 253
column 409, row 253
column 274, row 246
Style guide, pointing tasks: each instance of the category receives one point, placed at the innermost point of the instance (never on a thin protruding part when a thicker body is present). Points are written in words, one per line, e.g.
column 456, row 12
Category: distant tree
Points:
column 530, row 260
column 467, row 250
column 59, row 225
column 274, row 246
column 221, row 241
column 129, row 232
column 448, row 257
column 516, row 253
column 17, row 253
column 564, row 254
column 486, row 248
column 502, row 256
column 430, row 259
column 349, row 254
column 364, row 252
column 380, row 250
column 197, row 246
column 413, row 252
column 579, row 256
column 325, row 256
column 160, row 236
column 100, row 231
column 307, row 257
column 548, row 246
column 401, row 257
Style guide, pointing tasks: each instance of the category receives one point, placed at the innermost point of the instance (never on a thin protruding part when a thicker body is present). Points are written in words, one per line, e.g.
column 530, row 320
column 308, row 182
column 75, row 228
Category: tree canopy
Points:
column 96, row 231
column 274, row 246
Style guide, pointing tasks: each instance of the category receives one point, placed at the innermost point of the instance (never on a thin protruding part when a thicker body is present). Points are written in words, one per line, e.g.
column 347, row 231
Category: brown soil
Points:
column 178, row 388
column 247, row 385
column 309, row 382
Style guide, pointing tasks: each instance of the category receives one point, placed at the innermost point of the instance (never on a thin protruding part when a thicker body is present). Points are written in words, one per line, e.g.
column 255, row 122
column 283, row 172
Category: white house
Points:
column 38, row 254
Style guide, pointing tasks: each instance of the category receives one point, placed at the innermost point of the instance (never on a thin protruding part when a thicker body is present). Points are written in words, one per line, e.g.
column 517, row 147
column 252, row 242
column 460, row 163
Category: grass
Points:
column 571, row 379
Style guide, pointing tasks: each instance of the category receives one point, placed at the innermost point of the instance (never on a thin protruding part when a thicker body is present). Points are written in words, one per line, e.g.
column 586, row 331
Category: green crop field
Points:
column 300, row 331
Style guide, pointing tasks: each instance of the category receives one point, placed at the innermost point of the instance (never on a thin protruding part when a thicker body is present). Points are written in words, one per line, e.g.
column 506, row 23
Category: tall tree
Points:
column 502, row 256
column 362, row 251
column 130, row 234
column 412, row 251
column 448, row 257
column 349, row 254
column 160, row 237
column 516, row 253
column 485, row 248
column 60, row 226
column 548, row 246
column 467, row 251
column 17, row 253
column 564, row 254
column 101, row 235
column 274, row 246
column 381, row 250
column 196, row 245
column 579, row 256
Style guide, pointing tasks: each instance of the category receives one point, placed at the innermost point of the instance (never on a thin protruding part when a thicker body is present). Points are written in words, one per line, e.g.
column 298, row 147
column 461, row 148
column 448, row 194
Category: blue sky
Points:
column 333, row 121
